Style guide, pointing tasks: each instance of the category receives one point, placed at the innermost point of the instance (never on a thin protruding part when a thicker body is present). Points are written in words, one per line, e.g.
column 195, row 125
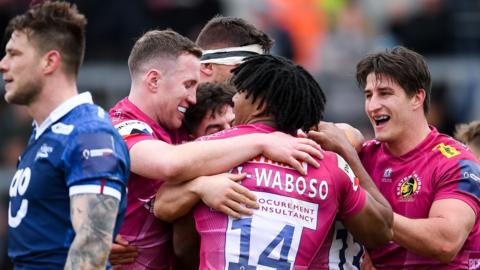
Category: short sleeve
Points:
column 96, row 160
column 352, row 196
column 98, row 186
column 460, row 179
column 134, row 131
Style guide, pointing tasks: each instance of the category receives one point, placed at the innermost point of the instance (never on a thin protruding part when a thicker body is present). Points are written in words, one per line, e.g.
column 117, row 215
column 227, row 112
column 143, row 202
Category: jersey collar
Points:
column 62, row 110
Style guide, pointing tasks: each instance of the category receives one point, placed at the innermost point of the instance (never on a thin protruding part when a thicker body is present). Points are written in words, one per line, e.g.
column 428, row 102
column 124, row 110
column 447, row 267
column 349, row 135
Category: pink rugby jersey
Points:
column 295, row 216
column 152, row 236
column 438, row 168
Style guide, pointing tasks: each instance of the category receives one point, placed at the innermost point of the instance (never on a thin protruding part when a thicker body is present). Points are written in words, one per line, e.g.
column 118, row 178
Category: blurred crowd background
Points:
column 328, row 37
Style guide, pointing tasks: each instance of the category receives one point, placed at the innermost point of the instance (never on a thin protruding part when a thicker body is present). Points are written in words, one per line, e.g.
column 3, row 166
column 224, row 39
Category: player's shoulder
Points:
column 445, row 149
column 451, row 157
column 329, row 157
column 370, row 146
column 337, row 166
column 335, row 163
column 86, row 118
column 125, row 110
column 121, row 113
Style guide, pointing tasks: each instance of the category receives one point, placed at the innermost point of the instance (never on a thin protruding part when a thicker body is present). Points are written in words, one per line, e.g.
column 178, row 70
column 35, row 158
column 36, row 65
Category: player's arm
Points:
column 332, row 138
column 441, row 235
column 365, row 218
column 372, row 226
column 93, row 219
column 220, row 192
column 159, row 160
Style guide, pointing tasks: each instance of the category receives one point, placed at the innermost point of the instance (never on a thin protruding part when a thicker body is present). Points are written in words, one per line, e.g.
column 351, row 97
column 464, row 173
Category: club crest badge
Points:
column 408, row 187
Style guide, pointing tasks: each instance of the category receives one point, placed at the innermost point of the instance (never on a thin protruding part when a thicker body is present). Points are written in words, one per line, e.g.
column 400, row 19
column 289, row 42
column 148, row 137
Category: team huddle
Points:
column 219, row 158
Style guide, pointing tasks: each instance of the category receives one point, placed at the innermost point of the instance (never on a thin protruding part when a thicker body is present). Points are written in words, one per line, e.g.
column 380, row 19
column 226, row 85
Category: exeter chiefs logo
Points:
column 408, row 187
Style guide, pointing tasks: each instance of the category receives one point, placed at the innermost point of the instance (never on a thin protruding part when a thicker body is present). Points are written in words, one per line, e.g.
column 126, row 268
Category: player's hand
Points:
column 221, row 192
column 367, row 263
column 121, row 253
column 333, row 137
column 354, row 136
column 293, row 151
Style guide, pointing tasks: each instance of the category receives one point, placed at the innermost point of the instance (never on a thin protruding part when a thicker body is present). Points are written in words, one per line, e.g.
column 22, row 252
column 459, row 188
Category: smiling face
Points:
column 389, row 108
column 177, row 91
column 21, row 68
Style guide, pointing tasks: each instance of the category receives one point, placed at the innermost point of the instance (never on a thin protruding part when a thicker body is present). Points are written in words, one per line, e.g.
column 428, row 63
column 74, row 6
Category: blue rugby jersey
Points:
column 75, row 151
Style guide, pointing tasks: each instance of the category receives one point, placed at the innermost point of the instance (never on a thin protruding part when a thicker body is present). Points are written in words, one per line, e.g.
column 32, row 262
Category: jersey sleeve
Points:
column 459, row 179
column 134, row 131
column 351, row 195
column 97, row 162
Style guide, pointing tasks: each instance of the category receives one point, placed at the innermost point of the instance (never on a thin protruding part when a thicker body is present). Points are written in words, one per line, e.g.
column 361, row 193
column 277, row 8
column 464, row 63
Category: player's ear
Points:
column 206, row 69
column 261, row 107
column 418, row 99
column 152, row 78
column 51, row 61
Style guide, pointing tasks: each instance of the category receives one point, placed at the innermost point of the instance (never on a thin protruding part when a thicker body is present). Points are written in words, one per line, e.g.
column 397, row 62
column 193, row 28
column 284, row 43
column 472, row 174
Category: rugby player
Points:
column 430, row 179
column 68, row 194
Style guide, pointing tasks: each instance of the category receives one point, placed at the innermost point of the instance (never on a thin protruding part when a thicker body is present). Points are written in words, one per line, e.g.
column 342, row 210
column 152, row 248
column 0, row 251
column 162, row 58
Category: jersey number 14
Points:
column 282, row 242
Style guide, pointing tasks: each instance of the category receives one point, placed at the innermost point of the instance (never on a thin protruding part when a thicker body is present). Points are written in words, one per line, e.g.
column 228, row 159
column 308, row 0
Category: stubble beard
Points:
column 25, row 95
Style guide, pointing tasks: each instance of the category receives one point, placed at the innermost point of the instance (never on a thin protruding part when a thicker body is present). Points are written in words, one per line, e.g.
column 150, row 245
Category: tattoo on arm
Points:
column 93, row 218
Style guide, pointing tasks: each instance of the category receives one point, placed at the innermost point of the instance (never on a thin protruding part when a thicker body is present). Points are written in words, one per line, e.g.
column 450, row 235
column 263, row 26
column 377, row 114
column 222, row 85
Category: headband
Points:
column 231, row 55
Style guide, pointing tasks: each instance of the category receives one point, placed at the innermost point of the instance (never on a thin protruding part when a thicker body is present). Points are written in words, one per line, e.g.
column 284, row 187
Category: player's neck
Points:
column 145, row 104
column 263, row 120
column 52, row 95
column 409, row 139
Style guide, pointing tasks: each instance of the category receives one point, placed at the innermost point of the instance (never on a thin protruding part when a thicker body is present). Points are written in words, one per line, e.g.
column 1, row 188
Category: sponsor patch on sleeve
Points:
column 133, row 128
column 470, row 177
column 343, row 165
column 96, row 153
column 447, row 150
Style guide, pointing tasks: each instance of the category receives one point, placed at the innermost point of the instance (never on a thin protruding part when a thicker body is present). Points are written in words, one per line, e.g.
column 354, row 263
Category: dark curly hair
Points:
column 292, row 96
